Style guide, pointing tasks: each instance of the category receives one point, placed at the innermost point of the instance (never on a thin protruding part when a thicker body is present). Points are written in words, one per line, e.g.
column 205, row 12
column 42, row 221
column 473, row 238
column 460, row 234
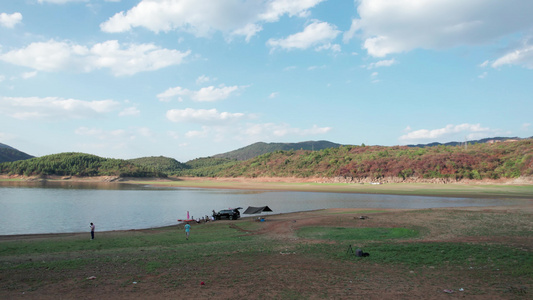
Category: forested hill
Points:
column 507, row 159
column 77, row 164
column 481, row 141
column 160, row 163
column 260, row 148
column 8, row 154
column 479, row 161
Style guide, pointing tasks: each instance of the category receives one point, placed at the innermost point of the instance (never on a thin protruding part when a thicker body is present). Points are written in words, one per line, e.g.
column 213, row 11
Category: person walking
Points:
column 92, row 231
column 187, row 230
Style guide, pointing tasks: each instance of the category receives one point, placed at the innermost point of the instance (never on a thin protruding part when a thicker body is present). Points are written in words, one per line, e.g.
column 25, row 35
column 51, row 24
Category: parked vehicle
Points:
column 232, row 214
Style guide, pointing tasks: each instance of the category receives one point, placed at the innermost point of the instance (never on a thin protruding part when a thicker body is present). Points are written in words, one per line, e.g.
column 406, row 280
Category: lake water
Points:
column 59, row 207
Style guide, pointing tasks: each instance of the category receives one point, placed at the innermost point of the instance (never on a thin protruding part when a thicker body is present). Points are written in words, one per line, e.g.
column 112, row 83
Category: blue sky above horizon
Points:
column 188, row 79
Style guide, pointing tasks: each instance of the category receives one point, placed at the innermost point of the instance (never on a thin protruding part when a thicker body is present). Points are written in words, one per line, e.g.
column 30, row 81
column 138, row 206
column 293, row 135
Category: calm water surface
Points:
column 67, row 207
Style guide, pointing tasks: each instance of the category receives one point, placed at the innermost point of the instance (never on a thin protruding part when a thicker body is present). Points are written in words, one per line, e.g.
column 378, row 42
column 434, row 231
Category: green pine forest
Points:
column 476, row 161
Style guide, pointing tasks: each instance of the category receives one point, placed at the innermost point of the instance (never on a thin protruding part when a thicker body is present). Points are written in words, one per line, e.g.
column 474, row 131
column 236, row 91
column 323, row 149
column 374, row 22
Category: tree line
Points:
column 477, row 161
column 77, row 164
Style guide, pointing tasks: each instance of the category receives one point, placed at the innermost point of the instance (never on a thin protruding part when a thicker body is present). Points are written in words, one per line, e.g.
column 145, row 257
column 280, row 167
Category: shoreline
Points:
column 520, row 188
column 82, row 234
column 523, row 192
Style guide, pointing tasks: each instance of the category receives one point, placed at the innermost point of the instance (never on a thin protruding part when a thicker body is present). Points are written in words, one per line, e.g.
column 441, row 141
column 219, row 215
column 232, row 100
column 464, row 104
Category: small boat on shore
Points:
column 186, row 220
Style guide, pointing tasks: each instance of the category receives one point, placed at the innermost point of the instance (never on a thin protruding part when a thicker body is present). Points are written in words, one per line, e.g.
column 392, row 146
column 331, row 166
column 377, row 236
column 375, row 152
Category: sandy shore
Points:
column 516, row 188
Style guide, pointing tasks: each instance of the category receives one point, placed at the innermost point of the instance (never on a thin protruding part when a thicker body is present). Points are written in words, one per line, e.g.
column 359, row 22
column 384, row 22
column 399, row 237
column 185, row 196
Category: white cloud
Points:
column 53, row 108
column 522, row 56
column 312, row 68
column 202, row 116
column 315, row 34
column 210, row 93
column 125, row 59
column 329, row 46
column 28, row 75
column 248, row 31
column 173, row 92
column 206, row 94
column 381, row 63
column 130, row 111
column 202, row 18
column 10, row 20
column 403, row 25
column 273, row 95
column 458, row 132
column 277, row 8
column 202, row 79
column 198, row 133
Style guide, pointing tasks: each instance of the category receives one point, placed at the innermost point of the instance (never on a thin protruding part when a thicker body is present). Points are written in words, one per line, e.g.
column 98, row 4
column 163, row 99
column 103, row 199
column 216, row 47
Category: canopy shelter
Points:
column 256, row 210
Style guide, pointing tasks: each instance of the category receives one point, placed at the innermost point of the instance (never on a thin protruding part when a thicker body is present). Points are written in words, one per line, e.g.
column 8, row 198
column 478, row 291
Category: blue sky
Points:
column 188, row 78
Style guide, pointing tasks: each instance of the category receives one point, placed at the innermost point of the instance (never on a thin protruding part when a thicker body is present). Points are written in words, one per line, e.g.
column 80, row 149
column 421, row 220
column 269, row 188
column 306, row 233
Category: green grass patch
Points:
column 470, row 256
column 512, row 261
column 148, row 250
column 345, row 234
column 134, row 240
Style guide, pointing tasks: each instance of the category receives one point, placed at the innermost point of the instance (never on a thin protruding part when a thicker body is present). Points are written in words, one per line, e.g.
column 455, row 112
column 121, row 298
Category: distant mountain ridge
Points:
column 8, row 154
column 5, row 146
column 481, row 141
column 485, row 159
column 260, row 148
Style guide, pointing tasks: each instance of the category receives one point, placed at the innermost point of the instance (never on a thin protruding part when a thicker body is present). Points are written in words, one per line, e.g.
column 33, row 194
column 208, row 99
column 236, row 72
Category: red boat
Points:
column 186, row 220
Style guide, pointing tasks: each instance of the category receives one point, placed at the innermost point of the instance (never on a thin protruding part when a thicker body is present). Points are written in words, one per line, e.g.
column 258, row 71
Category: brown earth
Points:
column 240, row 180
column 289, row 274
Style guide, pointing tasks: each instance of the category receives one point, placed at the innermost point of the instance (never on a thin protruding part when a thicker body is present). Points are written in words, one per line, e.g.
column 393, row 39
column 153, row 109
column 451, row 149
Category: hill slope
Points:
column 260, row 148
column 357, row 163
column 481, row 141
column 76, row 164
column 8, row 154
column 160, row 163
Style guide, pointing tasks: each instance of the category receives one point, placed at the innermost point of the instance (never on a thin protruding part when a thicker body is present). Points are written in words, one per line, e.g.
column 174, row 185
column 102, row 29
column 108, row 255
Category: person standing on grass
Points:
column 187, row 230
column 92, row 231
